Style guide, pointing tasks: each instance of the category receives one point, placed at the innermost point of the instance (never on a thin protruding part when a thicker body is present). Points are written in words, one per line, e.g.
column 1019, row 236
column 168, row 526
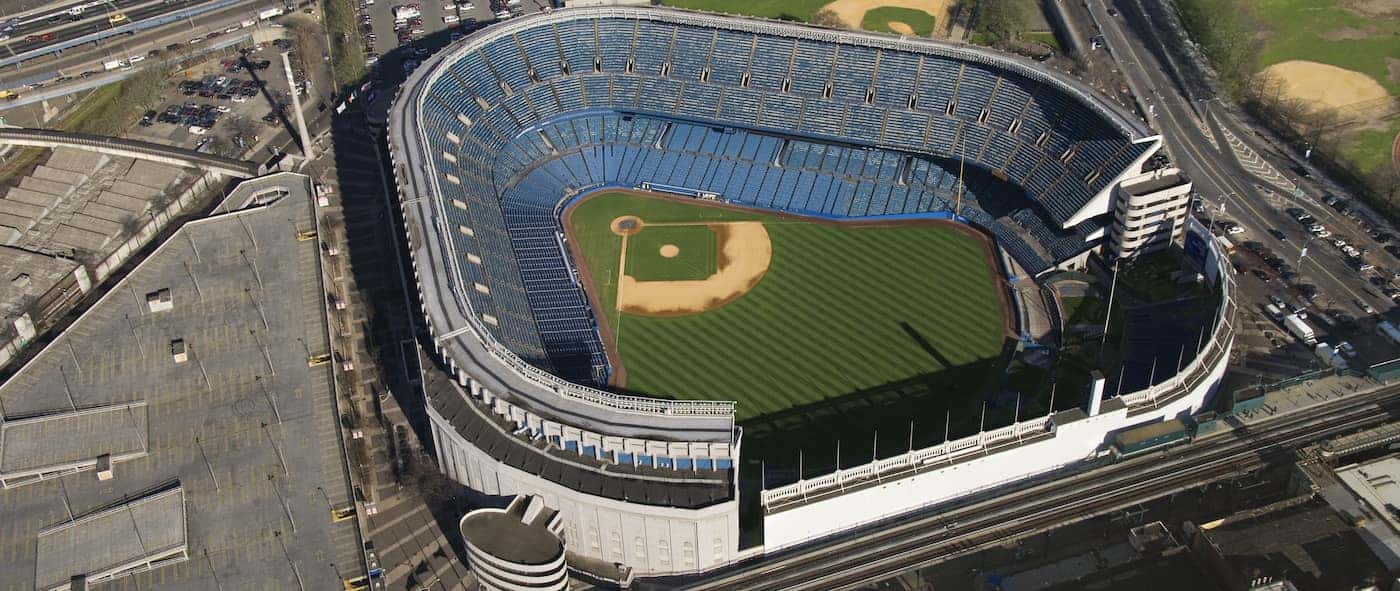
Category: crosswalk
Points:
column 1253, row 163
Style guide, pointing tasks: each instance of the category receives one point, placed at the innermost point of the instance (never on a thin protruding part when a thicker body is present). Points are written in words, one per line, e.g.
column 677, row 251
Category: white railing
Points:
column 948, row 451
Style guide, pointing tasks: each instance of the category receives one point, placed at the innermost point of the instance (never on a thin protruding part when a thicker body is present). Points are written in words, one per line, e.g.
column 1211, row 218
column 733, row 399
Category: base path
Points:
column 744, row 252
column 852, row 12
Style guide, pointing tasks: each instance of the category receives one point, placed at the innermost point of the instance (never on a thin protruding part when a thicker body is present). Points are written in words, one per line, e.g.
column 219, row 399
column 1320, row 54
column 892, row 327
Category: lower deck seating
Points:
column 743, row 167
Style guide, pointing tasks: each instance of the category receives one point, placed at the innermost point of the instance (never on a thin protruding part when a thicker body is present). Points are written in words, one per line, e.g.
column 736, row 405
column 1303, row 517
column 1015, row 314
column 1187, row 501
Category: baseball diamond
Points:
column 814, row 310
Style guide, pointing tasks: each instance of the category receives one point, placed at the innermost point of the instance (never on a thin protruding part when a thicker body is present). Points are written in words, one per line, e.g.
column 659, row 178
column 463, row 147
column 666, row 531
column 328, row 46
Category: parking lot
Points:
column 382, row 32
column 224, row 106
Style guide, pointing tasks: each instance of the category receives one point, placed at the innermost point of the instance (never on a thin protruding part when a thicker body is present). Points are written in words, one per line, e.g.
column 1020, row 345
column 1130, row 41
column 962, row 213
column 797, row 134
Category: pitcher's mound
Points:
column 670, row 250
column 901, row 28
column 626, row 225
column 1326, row 85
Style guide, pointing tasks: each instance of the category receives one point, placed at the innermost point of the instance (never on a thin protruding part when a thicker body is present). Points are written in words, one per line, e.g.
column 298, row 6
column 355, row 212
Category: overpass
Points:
column 48, row 138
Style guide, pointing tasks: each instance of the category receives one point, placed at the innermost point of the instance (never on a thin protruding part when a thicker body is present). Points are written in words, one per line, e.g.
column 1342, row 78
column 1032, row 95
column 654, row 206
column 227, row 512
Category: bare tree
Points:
column 827, row 17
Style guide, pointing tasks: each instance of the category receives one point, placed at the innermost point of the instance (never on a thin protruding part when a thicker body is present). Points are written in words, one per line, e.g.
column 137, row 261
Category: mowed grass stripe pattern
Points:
column 696, row 259
column 833, row 315
column 601, row 248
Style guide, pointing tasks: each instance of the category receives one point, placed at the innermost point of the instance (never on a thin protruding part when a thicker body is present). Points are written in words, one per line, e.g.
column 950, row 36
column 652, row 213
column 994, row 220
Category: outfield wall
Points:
column 864, row 495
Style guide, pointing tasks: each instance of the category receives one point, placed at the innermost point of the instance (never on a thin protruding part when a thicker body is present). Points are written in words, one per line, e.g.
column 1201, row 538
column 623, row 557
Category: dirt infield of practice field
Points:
column 742, row 252
column 852, row 12
column 1328, row 86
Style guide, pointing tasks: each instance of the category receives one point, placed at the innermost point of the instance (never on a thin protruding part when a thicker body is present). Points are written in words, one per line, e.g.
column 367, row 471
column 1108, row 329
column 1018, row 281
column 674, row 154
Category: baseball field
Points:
column 776, row 312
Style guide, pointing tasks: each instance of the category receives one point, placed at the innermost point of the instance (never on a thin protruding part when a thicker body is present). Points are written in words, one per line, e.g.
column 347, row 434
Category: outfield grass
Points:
column 696, row 259
column 791, row 10
column 878, row 19
column 840, row 310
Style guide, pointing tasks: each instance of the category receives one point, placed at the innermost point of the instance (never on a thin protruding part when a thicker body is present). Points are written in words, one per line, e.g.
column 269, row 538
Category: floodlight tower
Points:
column 296, row 108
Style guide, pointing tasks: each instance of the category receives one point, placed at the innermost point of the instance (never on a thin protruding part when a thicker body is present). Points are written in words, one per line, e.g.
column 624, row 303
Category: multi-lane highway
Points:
column 1195, row 133
column 40, row 32
column 880, row 552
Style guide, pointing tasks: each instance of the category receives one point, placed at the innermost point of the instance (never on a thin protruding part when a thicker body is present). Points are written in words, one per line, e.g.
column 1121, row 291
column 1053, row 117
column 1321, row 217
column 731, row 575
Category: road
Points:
column 1219, row 177
column 878, row 553
column 28, row 35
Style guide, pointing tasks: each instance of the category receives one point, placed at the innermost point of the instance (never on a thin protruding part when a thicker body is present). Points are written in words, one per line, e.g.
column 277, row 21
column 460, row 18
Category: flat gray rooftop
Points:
column 129, row 535
column 249, row 302
column 62, row 439
column 505, row 536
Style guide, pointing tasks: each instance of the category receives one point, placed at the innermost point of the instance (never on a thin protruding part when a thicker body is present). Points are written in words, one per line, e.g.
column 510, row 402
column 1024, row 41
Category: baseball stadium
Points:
column 646, row 240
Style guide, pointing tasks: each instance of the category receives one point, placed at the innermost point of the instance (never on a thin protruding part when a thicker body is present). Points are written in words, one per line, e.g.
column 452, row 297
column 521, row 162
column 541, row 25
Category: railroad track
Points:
column 876, row 554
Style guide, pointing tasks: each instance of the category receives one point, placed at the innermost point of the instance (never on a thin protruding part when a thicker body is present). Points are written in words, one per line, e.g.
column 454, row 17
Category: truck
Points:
column 403, row 13
column 268, row 13
column 1388, row 330
column 1300, row 329
column 113, row 65
column 1329, row 356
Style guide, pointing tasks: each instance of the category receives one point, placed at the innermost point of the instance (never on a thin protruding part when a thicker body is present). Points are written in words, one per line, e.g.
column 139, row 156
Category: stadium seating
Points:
column 524, row 120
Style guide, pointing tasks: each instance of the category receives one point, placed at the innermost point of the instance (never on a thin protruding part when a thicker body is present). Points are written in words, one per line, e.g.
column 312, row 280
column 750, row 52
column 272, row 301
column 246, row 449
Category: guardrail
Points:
column 134, row 148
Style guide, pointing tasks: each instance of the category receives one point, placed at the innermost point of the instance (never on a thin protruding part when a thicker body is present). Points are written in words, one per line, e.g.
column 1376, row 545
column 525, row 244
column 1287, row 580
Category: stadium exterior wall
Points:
column 1072, row 442
column 654, row 540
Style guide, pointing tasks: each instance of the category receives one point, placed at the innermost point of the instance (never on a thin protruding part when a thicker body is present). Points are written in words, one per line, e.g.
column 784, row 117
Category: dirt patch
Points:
column 670, row 251
column 1374, row 7
column 1328, row 86
column 744, row 253
column 1393, row 66
column 1345, row 33
column 901, row 28
column 626, row 225
column 852, row 12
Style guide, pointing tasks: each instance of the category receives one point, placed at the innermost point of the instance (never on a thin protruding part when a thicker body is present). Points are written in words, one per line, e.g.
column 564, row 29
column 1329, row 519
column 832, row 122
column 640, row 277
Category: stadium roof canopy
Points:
column 131, row 536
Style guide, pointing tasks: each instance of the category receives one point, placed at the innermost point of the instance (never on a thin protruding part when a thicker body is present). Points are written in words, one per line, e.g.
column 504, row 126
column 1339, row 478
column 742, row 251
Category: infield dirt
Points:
column 852, row 12
column 744, row 253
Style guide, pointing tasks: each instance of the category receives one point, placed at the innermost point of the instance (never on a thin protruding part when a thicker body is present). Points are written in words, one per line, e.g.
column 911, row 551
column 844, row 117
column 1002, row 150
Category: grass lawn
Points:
column 1046, row 37
column 840, row 310
column 1081, row 310
column 1298, row 30
column 878, row 19
column 1327, row 32
column 695, row 258
column 96, row 110
column 793, row 10
column 1370, row 149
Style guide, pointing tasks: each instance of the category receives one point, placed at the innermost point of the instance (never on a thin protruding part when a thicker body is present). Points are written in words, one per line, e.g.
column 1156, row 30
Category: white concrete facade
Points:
column 653, row 540
column 1071, row 443
column 1150, row 213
